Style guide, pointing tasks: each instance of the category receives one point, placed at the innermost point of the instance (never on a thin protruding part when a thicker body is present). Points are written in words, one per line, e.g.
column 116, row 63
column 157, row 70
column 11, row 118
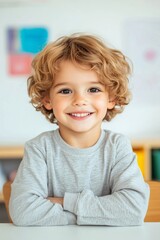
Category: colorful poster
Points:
column 142, row 46
column 22, row 45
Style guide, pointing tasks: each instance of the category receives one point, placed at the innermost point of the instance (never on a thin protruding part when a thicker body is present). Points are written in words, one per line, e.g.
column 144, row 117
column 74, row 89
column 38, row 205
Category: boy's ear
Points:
column 111, row 104
column 47, row 103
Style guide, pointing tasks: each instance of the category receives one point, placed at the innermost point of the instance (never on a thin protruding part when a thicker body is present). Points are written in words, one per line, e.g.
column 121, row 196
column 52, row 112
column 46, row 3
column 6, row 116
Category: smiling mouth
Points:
column 80, row 115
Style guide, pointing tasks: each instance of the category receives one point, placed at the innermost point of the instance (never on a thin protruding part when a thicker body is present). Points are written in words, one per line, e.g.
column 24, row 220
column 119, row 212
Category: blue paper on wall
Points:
column 33, row 40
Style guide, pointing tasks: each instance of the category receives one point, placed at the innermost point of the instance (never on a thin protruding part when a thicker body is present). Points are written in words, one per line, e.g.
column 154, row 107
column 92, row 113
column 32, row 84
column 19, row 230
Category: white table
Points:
column 148, row 231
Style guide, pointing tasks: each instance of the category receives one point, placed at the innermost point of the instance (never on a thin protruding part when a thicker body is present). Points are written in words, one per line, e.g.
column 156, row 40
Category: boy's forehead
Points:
column 66, row 63
column 74, row 72
column 68, row 70
column 72, row 75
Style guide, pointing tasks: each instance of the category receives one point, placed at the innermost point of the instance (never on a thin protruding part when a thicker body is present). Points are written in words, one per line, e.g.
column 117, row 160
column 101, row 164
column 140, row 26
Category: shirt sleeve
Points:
column 28, row 203
column 128, row 201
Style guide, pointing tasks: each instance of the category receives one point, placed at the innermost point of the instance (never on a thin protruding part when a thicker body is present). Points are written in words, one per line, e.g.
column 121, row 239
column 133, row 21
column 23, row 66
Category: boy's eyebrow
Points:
column 67, row 83
column 60, row 84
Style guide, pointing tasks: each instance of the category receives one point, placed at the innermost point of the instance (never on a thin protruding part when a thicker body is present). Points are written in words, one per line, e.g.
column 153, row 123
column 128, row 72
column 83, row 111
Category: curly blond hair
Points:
column 86, row 50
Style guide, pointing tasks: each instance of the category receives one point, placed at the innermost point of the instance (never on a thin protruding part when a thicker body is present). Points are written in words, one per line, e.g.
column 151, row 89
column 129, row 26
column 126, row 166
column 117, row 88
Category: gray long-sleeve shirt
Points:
column 101, row 185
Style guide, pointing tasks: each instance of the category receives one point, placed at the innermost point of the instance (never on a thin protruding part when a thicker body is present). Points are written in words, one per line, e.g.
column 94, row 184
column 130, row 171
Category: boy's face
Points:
column 78, row 99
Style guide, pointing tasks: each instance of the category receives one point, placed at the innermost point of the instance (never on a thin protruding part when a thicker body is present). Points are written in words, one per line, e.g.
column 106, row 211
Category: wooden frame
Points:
column 10, row 152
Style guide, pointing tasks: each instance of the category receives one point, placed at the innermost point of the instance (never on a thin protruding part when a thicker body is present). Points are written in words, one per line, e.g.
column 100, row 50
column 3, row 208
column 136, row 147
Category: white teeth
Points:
column 80, row 114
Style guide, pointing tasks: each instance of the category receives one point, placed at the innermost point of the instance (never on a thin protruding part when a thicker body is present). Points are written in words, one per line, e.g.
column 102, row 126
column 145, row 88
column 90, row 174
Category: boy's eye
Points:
column 65, row 91
column 94, row 90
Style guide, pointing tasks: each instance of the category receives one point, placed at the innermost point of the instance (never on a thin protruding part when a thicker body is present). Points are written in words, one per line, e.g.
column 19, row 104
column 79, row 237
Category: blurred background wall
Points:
column 132, row 26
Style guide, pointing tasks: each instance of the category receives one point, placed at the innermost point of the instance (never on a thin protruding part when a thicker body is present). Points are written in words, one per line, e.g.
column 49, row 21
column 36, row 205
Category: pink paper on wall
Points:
column 19, row 64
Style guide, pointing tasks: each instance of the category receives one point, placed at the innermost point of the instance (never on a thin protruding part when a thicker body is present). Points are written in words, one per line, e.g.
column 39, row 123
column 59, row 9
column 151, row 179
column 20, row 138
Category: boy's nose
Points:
column 80, row 100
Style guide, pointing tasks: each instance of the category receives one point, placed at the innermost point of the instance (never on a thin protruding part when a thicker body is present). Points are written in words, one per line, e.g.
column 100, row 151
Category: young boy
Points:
column 79, row 173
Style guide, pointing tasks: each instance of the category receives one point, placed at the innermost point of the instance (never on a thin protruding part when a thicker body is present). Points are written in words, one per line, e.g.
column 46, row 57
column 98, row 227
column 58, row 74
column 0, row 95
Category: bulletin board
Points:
column 142, row 43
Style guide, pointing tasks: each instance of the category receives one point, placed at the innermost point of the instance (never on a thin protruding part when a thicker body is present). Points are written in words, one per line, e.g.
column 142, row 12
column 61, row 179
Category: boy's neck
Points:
column 81, row 140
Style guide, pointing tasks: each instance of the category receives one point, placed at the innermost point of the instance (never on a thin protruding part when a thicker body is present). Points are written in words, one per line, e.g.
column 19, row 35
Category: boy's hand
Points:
column 56, row 200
